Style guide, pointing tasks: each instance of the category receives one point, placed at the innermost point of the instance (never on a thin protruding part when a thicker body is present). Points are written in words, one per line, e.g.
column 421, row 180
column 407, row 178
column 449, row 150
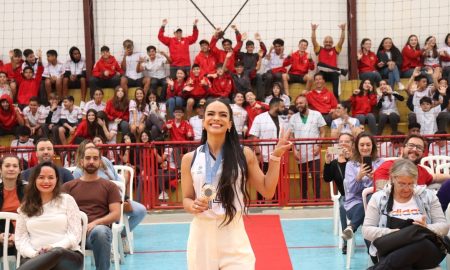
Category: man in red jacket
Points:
column 178, row 48
column 196, row 88
column 178, row 128
column 300, row 62
column 29, row 83
column 227, row 47
column 321, row 99
column 106, row 72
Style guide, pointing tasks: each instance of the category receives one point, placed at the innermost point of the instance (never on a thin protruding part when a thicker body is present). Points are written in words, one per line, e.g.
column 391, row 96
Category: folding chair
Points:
column 122, row 170
column 8, row 217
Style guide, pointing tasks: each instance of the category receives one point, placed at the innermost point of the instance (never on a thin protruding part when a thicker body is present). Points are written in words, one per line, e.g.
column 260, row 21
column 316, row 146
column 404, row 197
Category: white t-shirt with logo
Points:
column 407, row 210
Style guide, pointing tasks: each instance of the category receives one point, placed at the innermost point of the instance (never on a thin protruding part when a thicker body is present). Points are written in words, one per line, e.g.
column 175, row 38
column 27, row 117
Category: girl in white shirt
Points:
column 277, row 91
column 48, row 229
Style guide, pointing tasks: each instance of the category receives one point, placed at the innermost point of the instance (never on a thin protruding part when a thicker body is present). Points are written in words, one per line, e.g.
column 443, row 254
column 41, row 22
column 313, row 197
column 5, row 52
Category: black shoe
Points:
column 344, row 249
column 344, row 72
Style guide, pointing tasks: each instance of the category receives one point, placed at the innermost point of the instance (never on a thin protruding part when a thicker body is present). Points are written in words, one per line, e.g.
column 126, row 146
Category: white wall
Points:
column 44, row 24
column 290, row 20
column 399, row 19
column 49, row 24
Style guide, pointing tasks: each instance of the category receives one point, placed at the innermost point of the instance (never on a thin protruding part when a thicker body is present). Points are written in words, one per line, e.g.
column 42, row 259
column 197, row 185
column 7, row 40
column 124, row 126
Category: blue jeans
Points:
column 137, row 215
column 409, row 72
column 393, row 76
column 371, row 121
column 99, row 241
column 172, row 103
column 342, row 212
column 374, row 76
column 356, row 216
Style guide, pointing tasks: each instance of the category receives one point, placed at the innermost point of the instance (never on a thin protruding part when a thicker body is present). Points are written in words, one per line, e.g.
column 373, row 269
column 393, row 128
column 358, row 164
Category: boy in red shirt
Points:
column 227, row 47
column 29, row 86
column 104, row 74
column 300, row 62
column 178, row 48
column 179, row 129
column 222, row 85
column 321, row 99
column 14, row 70
column 196, row 88
column 205, row 59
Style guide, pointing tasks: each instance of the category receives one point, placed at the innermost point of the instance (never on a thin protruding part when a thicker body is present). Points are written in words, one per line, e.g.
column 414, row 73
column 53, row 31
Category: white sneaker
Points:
column 163, row 196
column 82, row 103
column 401, row 87
column 347, row 234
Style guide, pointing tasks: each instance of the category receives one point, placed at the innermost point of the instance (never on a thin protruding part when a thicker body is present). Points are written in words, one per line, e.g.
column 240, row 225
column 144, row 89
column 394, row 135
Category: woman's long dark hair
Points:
column 362, row 92
column 234, row 161
column 408, row 41
column 94, row 129
column 140, row 105
column 395, row 52
column 120, row 104
column 32, row 202
column 435, row 48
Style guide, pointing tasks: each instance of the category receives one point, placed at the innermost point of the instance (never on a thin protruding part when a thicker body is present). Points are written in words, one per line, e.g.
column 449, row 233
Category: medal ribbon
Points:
column 211, row 172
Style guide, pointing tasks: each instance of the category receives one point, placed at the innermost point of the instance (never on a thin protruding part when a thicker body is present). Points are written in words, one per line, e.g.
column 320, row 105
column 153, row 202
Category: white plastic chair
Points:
column 432, row 162
column 121, row 170
column 335, row 199
column 8, row 217
column 443, row 168
column 389, row 158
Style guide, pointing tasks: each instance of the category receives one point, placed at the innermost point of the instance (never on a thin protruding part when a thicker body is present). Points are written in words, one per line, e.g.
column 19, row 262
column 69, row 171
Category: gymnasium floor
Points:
column 310, row 241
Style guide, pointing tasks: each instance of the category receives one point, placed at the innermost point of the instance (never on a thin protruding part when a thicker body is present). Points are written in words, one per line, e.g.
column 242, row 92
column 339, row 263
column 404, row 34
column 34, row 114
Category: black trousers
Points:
column 55, row 259
column 419, row 255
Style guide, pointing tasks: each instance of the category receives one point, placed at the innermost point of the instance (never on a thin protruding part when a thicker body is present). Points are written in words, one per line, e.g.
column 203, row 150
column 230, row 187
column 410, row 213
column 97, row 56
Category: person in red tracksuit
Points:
column 117, row 110
column 222, row 85
column 412, row 57
column 227, row 47
column 321, row 99
column 14, row 70
column 205, row 59
column 300, row 62
column 104, row 74
column 29, row 86
column 364, row 100
column 178, row 128
column 196, row 88
column 368, row 62
column 178, row 48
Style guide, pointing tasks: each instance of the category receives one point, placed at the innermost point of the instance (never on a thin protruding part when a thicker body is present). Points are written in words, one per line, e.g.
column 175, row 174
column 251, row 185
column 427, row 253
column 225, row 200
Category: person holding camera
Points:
column 156, row 118
column 358, row 176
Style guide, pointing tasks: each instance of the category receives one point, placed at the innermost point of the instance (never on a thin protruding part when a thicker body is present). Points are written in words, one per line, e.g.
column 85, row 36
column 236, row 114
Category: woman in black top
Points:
column 334, row 170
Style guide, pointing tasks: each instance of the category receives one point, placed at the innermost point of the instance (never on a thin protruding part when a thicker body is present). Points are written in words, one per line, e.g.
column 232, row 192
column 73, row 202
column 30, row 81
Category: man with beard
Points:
column 268, row 126
column 75, row 74
column 307, row 123
column 100, row 200
column 413, row 149
column 45, row 153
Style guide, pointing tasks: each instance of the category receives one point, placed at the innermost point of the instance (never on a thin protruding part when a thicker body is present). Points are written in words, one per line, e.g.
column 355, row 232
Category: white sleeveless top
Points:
column 198, row 174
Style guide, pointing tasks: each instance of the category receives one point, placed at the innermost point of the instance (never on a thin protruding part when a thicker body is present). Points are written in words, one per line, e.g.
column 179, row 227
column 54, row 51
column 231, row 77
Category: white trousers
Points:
column 214, row 247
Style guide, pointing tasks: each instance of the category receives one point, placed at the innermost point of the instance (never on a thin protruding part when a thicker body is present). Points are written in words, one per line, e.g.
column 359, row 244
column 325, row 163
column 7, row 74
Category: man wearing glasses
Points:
column 413, row 150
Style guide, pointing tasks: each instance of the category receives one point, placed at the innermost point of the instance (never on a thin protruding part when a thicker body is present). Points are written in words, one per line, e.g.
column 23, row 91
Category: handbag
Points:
column 398, row 223
column 407, row 235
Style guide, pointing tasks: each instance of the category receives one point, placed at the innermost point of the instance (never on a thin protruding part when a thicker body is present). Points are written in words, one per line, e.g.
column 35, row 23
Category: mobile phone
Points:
column 334, row 150
column 367, row 161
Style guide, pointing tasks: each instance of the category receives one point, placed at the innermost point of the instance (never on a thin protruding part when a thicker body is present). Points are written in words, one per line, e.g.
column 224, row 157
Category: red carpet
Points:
column 267, row 239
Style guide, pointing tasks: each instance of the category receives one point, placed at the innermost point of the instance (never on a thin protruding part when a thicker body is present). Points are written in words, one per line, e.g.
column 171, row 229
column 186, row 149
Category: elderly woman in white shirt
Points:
column 48, row 230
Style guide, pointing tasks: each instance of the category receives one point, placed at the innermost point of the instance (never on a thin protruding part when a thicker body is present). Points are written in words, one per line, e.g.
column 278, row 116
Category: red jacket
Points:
column 363, row 104
column 179, row 49
column 221, row 54
column 199, row 91
column 368, row 63
column 322, row 102
column 300, row 63
column 82, row 131
column 13, row 74
column 29, row 88
column 177, row 89
column 252, row 112
column 8, row 119
column 113, row 113
column 110, row 65
column 221, row 86
column 411, row 58
column 179, row 133
column 207, row 63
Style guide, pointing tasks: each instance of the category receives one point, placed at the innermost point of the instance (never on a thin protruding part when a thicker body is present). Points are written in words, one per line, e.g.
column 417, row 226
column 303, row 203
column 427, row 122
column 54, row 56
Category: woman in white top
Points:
column 278, row 91
column 217, row 196
column 387, row 104
column 239, row 115
column 139, row 111
column 430, row 56
column 48, row 230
